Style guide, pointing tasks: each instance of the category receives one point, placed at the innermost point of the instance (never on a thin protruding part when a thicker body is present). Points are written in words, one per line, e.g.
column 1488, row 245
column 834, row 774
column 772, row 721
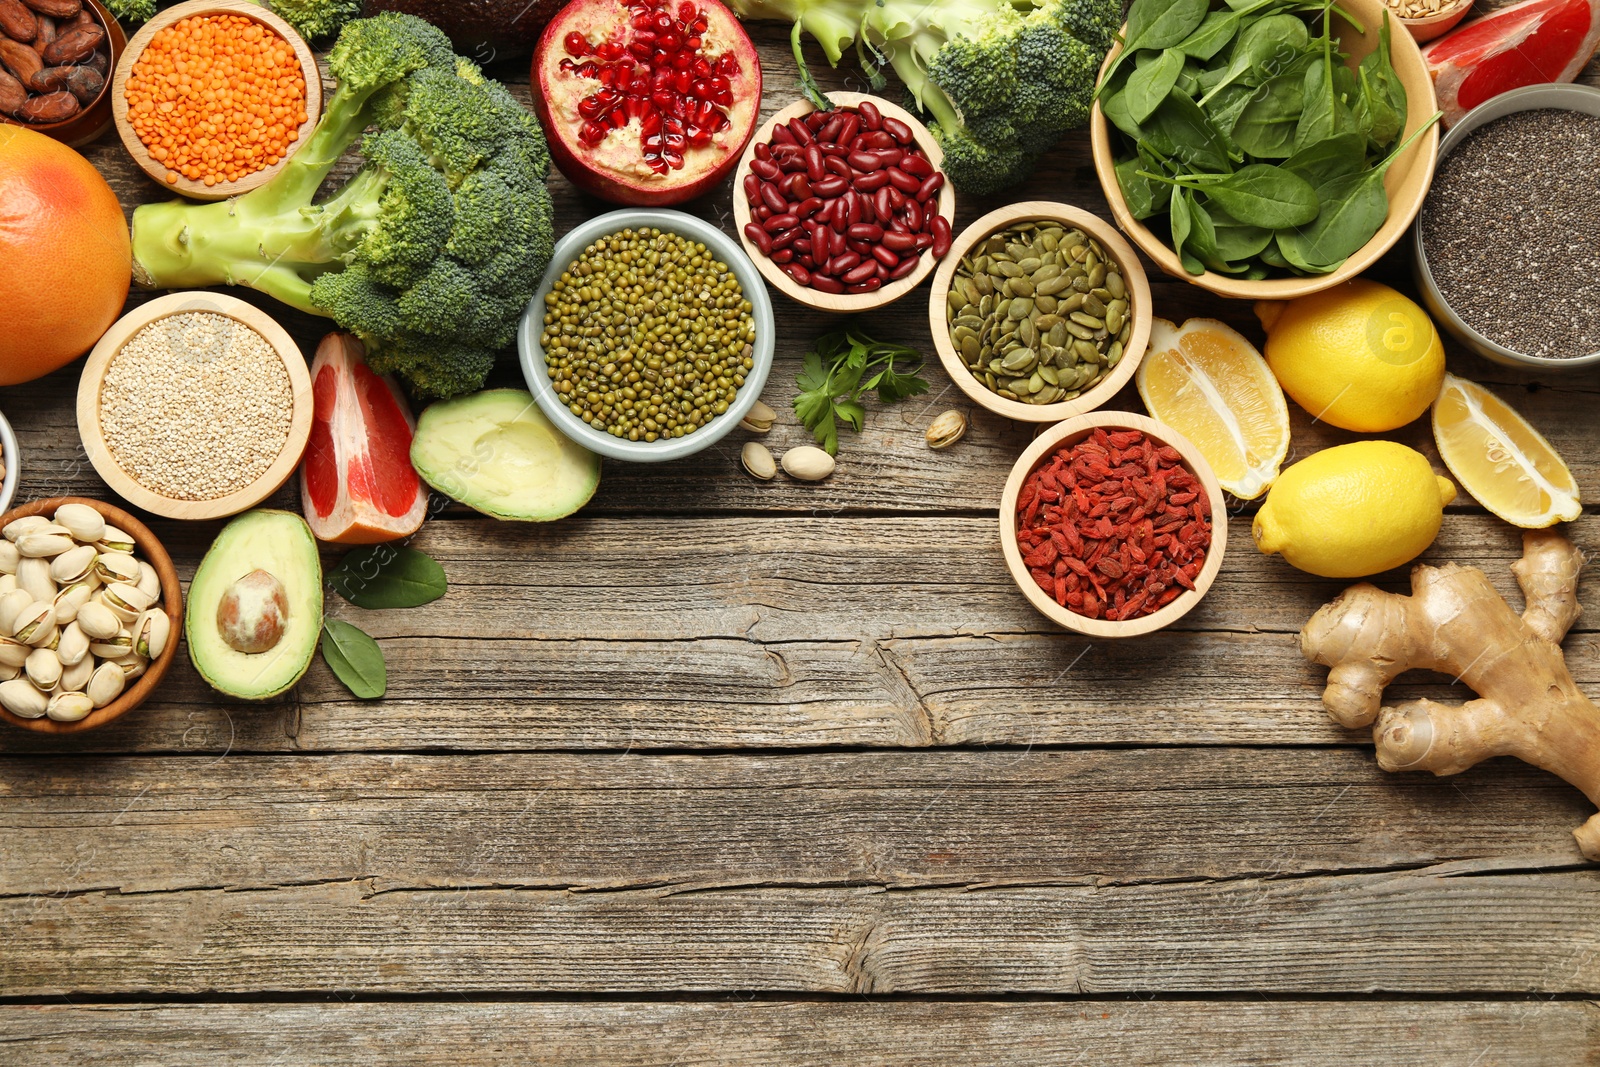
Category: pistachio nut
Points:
column 126, row 601
column 151, row 633
column 76, row 677
column 20, row 698
column 149, row 581
column 71, row 600
column 8, row 582
column 115, row 542
column 73, row 647
column 36, row 624
column 69, row 707
column 72, row 565
column 9, row 557
column 113, row 567
column 98, row 621
column 945, row 430
column 116, row 646
column 12, row 605
column 82, row 521
column 16, row 528
column 33, row 576
column 43, row 669
column 758, row 461
column 808, row 463
column 7, row 673
column 41, row 544
column 13, row 653
column 131, row 666
column 759, row 419
column 106, row 684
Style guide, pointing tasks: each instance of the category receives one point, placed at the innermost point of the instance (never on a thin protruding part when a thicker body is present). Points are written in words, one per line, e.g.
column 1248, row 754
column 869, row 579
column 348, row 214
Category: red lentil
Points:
column 1114, row 526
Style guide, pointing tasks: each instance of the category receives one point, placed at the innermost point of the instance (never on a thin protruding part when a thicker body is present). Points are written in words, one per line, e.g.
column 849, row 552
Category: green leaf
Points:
column 1339, row 155
column 1182, row 222
column 1263, row 49
column 355, row 659
column 1157, row 24
column 1264, row 195
column 1266, row 124
column 1149, row 85
column 1213, row 35
column 1145, row 197
column 831, row 381
column 1179, row 130
column 388, row 576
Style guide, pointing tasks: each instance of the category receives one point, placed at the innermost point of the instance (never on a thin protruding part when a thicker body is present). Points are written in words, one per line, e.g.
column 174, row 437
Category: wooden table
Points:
column 732, row 773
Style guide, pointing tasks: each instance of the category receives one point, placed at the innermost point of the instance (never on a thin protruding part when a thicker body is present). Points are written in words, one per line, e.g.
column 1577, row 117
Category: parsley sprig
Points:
column 841, row 367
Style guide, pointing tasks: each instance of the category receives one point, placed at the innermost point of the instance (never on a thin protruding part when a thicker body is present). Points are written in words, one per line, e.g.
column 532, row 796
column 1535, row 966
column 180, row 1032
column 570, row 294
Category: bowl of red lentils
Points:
column 195, row 405
column 1112, row 524
column 212, row 97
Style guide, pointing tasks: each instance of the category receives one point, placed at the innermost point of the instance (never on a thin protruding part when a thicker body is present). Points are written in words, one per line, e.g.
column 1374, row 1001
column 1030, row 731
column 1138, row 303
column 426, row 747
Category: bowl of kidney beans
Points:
column 844, row 209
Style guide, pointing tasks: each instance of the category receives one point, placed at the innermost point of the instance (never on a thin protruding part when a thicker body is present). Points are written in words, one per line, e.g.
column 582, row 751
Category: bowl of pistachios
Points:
column 90, row 611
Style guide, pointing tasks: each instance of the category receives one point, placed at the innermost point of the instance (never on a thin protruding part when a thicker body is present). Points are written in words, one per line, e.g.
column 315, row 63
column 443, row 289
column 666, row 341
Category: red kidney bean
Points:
column 883, row 202
column 903, row 181
column 860, row 273
column 889, row 157
column 857, row 205
column 897, row 129
column 786, row 238
column 834, row 151
column 860, row 248
column 889, row 259
column 816, row 118
column 752, row 189
column 899, row 241
column 940, row 229
column 838, row 166
column 924, row 239
column 763, row 152
column 898, row 225
column 780, row 136
column 782, row 256
column 906, row 266
column 871, row 142
column 848, row 128
column 809, row 206
column 790, row 187
column 871, row 117
column 802, row 248
column 824, row 284
column 761, row 212
column 917, row 165
column 897, row 199
column 871, row 285
column 814, row 168
column 838, row 245
column 843, row 261
column 865, row 231
column 914, row 216
column 837, row 212
column 871, row 181
column 774, row 199
column 778, row 223
column 830, row 129
column 932, row 185
column 801, row 132
column 864, row 161
column 765, row 169
column 798, row 273
column 759, row 237
column 819, row 238
column 830, row 187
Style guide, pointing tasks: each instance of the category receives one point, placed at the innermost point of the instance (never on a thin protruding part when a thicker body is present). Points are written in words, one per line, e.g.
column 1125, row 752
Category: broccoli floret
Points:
column 316, row 18
column 1000, row 80
column 132, row 11
column 429, row 253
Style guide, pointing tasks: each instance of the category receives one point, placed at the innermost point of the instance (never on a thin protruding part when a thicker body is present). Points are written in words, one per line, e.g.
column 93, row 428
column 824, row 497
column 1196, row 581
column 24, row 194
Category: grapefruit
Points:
column 357, row 485
column 64, row 260
column 1529, row 43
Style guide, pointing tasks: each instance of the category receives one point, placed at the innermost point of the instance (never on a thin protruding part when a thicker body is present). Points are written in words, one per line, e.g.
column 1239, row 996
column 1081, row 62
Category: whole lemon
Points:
column 1353, row 510
column 1361, row 356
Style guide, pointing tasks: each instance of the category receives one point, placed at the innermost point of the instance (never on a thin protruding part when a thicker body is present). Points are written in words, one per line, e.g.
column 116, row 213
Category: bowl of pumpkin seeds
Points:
column 1041, row 311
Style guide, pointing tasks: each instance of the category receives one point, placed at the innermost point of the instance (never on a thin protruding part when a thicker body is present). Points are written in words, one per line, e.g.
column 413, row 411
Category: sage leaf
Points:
column 1264, row 195
column 355, row 659
column 1267, row 122
column 1149, row 85
column 388, row 576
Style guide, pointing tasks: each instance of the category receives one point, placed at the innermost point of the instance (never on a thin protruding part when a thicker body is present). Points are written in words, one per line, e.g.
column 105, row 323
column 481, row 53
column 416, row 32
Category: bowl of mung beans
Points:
column 1040, row 312
column 195, row 405
column 650, row 337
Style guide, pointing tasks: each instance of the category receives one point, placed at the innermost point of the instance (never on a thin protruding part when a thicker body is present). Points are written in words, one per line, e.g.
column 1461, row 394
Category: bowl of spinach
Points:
column 1264, row 149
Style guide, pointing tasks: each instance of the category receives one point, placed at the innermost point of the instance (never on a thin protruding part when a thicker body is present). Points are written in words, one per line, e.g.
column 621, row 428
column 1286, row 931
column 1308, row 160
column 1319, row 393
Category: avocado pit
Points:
column 253, row 612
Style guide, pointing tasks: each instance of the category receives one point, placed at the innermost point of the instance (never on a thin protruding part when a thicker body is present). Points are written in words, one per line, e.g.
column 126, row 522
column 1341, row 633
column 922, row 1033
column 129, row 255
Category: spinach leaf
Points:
column 1158, row 24
column 1272, row 257
column 1240, row 243
column 1225, row 107
column 1182, row 222
column 1264, row 195
column 1262, row 49
column 355, row 659
column 1214, row 34
column 1342, row 154
column 1382, row 101
column 1145, row 197
column 1189, row 78
column 1179, row 130
column 1149, row 85
column 1266, row 124
column 386, row 576
column 1203, row 239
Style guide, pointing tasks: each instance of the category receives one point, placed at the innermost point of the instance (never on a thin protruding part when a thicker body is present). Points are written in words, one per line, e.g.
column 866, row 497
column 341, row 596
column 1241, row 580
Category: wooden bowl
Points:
column 94, row 374
column 1406, row 181
column 1426, row 29
column 1069, row 433
column 95, row 119
column 141, row 40
column 1138, row 304
column 843, row 302
column 151, row 551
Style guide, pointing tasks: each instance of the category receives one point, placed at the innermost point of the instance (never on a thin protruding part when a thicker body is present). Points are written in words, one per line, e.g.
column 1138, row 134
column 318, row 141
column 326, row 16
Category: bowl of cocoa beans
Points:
column 56, row 59
column 845, row 209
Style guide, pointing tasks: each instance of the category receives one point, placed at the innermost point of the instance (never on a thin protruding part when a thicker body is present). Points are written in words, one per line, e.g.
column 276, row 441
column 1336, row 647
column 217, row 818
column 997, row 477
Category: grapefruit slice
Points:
column 1529, row 43
column 357, row 485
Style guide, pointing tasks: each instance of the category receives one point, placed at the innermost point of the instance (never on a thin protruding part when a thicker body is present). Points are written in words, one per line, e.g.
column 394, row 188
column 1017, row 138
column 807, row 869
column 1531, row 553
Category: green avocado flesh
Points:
column 495, row 451
column 281, row 544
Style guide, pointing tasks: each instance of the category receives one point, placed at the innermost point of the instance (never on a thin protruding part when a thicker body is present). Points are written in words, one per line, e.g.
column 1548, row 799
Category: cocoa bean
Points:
column 19, row 59
column 74, row 46
column 85, row 83
column 59, row 9
column 49, row 80
column 52, row 107
column 99, row 62
column 47, row 33
column 17, row 22
column 12, row 94
column 84, row 17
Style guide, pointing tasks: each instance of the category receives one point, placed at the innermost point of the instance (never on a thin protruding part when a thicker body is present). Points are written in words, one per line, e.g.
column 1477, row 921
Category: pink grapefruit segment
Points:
column 357, row 484
column 1529, row 43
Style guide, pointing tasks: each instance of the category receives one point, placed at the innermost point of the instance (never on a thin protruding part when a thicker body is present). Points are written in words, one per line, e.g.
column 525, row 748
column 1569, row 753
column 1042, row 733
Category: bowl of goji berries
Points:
column 1112, row 524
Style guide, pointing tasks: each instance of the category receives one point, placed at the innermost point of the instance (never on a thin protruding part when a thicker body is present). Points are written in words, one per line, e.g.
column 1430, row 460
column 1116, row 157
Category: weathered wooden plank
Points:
column 902, row 820
column 1409, row 932
column 737, row 1033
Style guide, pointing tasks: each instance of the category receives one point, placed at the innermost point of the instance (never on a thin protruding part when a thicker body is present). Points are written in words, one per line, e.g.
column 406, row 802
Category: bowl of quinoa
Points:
column 195, row 406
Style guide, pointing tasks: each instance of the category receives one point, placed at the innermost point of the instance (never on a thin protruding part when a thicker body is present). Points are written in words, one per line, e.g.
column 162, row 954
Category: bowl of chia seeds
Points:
column 650, row 336
column 1507, row 246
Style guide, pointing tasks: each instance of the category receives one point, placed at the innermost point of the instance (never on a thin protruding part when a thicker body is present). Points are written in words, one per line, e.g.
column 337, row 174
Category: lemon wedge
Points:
column 1501, row 460
column 1211, row 385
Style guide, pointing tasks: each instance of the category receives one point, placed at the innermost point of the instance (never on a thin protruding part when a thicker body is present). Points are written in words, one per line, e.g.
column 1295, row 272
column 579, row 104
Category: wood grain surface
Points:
column 730, row 773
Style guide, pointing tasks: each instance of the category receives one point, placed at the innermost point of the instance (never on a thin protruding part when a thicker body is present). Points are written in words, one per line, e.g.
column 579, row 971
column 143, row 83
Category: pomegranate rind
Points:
column 357, row 485
column 615, row 170
column 1529, row 43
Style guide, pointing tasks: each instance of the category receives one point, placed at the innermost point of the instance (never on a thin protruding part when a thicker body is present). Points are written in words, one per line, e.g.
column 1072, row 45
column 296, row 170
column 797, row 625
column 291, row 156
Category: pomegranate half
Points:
column 357, row 485
column 646, row 103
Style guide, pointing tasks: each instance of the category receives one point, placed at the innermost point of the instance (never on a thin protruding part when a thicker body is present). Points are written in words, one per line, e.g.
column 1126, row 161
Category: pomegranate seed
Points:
column 693, row 43
column 699, row 138
column 670, row 41
column 702, row 69
column 728, row 65
column 592, row 133
column 662, row 22
column 674, row 159
column 682, row 60
column 682, row 81
column 576, row 44
column 700, row 88
column 641, row 51
column 700, row 25
column 611, row 51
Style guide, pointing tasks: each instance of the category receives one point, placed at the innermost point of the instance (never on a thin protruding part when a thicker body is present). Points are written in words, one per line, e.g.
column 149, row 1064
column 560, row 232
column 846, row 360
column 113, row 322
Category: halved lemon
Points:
column 1501, row 460
column 1211, row 385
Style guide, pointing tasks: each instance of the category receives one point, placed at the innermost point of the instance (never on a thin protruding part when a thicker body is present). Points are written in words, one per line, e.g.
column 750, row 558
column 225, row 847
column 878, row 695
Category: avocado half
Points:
column 281, row 544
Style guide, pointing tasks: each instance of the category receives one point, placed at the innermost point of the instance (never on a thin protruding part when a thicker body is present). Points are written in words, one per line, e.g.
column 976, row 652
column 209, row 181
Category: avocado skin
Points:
column 481, row 30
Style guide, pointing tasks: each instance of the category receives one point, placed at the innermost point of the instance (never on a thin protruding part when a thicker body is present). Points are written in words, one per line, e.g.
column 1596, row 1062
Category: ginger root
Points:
column 1454, row 622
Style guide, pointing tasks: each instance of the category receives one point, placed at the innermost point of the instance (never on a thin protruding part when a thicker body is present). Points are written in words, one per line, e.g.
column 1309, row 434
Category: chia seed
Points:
column 1512, row 232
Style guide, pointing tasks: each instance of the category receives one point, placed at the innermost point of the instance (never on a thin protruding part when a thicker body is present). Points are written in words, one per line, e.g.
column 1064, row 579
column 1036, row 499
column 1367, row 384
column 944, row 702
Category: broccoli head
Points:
column 132, row 11
column 429, row 253
column 1001, row 80
column 316, row 18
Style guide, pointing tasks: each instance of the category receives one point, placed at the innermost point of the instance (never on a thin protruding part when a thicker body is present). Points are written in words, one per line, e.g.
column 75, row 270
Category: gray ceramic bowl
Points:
column 13, row 468
column 1531, row 98
column 538, row 375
